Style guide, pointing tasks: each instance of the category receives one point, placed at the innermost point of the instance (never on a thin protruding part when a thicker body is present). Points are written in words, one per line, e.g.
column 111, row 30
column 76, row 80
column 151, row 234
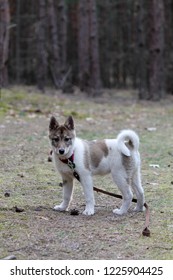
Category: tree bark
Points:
column 141, row 52
column 18, row 34
column 156, row 62
column 41, row 46
column 83, row 46
column 89, row 68
column 95, row 82
column 65, row 70
column 54, row 55
column 4, row 41
column 62, row 23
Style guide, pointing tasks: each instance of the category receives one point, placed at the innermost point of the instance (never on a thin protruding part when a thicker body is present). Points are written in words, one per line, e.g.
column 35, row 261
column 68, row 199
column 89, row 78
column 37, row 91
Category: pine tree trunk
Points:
column 141, row 53
column 95, row 82
column 169, row 46
column 89, row 68
column 18, row 50
column 156, row 63
column 83, row 46
column 54, row 56
column 41, row 46
column 4, row 41
column 62, row 35
column 65, row 71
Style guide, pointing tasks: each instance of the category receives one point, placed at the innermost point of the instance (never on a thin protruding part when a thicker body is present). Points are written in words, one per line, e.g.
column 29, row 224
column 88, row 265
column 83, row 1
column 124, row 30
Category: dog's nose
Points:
column 61, row 151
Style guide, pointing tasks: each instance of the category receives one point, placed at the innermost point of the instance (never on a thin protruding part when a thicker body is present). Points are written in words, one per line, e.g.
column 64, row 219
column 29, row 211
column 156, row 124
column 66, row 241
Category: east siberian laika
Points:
column 120, row 157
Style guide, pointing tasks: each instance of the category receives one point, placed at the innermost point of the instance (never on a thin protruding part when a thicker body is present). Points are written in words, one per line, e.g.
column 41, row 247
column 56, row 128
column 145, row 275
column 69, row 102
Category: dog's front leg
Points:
column 87, row 185
column 67, row 194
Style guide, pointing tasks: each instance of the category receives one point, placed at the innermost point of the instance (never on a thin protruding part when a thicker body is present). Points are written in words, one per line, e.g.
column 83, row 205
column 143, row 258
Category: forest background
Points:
column 91, row 44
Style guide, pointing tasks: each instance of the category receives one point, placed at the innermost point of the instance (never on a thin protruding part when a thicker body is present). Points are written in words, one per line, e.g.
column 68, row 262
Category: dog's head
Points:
column 62, row 136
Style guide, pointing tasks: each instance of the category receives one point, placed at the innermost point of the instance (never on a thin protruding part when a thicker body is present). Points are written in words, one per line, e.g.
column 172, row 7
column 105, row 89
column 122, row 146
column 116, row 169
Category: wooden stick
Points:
column 112, row 194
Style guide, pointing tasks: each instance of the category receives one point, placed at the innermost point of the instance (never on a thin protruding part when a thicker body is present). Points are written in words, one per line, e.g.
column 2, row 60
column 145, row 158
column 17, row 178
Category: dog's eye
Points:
column 55, row 139
column 66, row 139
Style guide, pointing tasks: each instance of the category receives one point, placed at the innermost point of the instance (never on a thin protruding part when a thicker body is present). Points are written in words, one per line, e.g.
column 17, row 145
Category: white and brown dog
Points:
column 73, row 156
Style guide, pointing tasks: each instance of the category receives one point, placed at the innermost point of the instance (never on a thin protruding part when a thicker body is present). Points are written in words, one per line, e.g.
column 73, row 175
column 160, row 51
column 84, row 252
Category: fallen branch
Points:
column 112, row 194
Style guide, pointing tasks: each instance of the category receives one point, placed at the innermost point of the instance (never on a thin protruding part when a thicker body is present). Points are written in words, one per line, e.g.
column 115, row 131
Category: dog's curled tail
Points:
column 127, row 142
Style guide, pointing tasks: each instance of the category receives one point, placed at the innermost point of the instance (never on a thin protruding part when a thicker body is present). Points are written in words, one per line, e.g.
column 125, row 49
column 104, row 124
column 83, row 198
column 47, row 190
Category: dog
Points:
column 74, row 156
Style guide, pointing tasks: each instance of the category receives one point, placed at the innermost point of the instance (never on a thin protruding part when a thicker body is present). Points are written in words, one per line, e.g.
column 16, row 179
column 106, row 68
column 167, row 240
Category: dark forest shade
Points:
column 4, row 41
column 89, row 44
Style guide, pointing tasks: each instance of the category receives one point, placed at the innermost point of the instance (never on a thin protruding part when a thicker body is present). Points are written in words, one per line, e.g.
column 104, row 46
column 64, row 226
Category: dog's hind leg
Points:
column 67, row 194
column 138, row 189
column 127, row 195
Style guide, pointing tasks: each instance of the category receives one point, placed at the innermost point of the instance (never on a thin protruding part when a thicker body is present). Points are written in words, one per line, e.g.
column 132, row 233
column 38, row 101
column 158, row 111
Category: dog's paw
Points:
column 88, row 211
column 60, row 208
column 118, row 211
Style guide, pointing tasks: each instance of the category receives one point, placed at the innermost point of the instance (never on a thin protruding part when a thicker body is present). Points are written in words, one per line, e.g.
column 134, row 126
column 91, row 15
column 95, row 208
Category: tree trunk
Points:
column 62, row 23
column 4, row 41
column 89, row 68
column 156, row 63
column 141, row 53
column 41, row 46
column 18, row 52
column 95, row 82
column 65, row 70
column 169, row 46
column 83, row 46
column 54, row 56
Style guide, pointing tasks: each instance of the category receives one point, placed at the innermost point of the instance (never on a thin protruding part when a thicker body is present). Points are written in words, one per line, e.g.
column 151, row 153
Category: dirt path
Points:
column 30, row 229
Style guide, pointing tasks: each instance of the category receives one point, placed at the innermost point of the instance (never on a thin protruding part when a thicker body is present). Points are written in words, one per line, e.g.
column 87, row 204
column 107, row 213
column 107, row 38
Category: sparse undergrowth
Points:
column 28, row 181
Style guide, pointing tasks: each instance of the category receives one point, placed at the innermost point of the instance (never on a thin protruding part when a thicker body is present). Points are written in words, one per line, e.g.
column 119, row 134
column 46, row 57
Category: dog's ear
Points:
column 69, row 123
column 53, row 123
